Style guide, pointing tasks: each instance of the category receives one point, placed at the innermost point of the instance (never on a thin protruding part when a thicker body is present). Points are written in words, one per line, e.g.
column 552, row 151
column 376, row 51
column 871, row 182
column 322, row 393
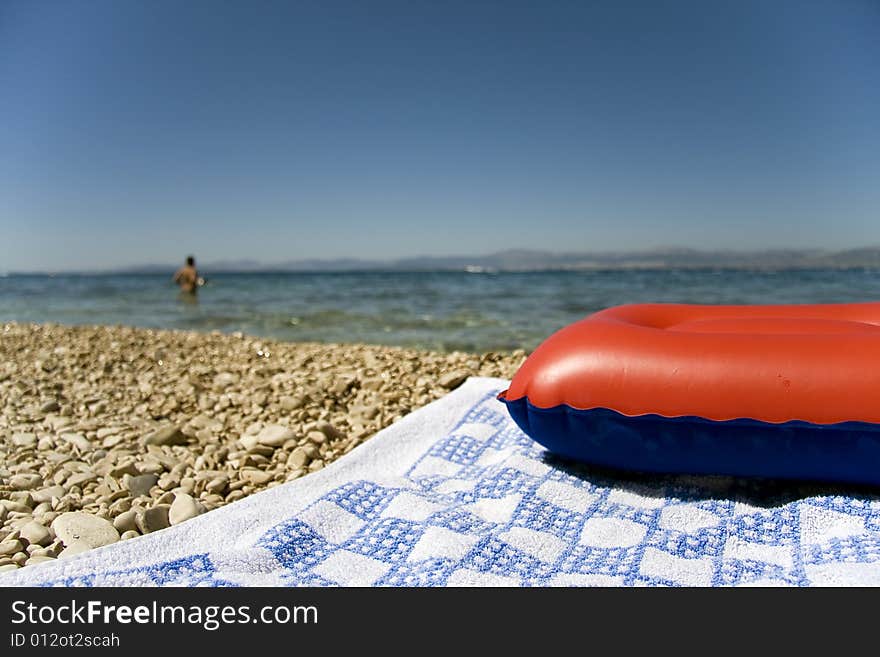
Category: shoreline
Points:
column 111, row 432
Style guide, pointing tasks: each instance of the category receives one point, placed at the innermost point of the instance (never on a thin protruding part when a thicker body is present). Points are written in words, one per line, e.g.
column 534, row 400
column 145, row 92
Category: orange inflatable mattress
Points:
column 774, row 391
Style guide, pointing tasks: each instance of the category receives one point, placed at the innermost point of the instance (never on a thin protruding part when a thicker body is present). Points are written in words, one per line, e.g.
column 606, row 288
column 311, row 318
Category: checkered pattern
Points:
column 487, row 506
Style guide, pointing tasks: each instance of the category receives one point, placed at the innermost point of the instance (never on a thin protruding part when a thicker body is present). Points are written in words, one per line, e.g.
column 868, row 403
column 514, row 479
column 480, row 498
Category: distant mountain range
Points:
column 534, row 260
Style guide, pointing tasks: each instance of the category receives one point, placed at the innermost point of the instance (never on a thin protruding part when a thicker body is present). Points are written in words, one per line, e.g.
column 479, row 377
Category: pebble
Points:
column 257, row 477
column 89, row 529
column 10, row 547
column 139, row 485
column 317, row 437
column 217, row 485
column 80, row 479
column 24, row 439
column 120, row 506
column 184, row 508
column 153, row 519
column 58, row 422
column 235, row 496
column 12, row 506
column 125, row 521
column 46, row 494
column 131, row 533
column 211, row 501
column 453, row 379
column 366, row 412
column 253, row 429
column 77, row 440
column 25, row 481
column 151, row 467
column 329, row 430
column 112, row 441
column 170, row 435
column 289, row 403
column 38, row 558
column 74, row 547
column 249, row 442
column 50, row 406
column 225, row 379
column 275, row 435
column 298, row 458
column 168, row 481
column 122, row 469
column 54, row 549
column 36, row 534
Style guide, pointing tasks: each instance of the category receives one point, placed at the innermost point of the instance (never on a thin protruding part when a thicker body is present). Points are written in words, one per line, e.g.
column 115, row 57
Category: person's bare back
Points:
column 187, row 277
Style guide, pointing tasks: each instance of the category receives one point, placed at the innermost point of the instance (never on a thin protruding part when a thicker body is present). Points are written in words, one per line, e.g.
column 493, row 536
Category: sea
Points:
column 447, row 311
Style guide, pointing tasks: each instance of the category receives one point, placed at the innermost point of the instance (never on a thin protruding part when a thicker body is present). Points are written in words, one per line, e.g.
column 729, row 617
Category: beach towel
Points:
column 454, row 494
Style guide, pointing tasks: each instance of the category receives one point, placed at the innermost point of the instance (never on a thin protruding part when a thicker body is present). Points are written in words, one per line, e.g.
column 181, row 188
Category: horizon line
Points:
column 589, row 260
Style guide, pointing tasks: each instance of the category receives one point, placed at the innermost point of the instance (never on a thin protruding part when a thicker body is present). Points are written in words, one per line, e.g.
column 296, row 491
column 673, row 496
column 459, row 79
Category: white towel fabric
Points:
column 454, row 494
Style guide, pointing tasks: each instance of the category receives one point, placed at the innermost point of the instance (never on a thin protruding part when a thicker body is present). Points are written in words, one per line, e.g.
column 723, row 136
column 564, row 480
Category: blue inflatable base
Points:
column 842, row 452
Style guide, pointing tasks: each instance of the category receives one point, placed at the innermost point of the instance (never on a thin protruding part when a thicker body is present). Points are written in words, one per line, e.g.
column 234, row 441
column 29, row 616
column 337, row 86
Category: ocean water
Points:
column 435, row 310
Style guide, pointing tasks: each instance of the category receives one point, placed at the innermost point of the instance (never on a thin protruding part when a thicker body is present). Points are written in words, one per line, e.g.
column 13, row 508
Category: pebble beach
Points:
column 109, row 432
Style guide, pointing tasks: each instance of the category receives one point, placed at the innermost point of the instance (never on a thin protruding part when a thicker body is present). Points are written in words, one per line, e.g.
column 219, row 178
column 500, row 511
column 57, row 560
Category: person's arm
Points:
column 177, row 275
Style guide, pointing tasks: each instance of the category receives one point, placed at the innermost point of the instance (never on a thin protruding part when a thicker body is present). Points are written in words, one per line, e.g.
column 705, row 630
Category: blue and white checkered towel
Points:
column 454, row 494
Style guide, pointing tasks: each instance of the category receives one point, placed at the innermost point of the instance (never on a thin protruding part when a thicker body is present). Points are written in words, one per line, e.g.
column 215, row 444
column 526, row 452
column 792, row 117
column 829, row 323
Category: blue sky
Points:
column 134, row 132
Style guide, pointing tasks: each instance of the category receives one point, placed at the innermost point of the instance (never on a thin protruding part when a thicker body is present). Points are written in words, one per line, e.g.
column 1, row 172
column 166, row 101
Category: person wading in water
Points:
column 187, row 277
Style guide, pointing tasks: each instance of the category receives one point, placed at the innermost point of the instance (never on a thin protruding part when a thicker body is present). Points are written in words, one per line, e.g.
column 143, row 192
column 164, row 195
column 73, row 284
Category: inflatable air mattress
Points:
column 768, row 391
